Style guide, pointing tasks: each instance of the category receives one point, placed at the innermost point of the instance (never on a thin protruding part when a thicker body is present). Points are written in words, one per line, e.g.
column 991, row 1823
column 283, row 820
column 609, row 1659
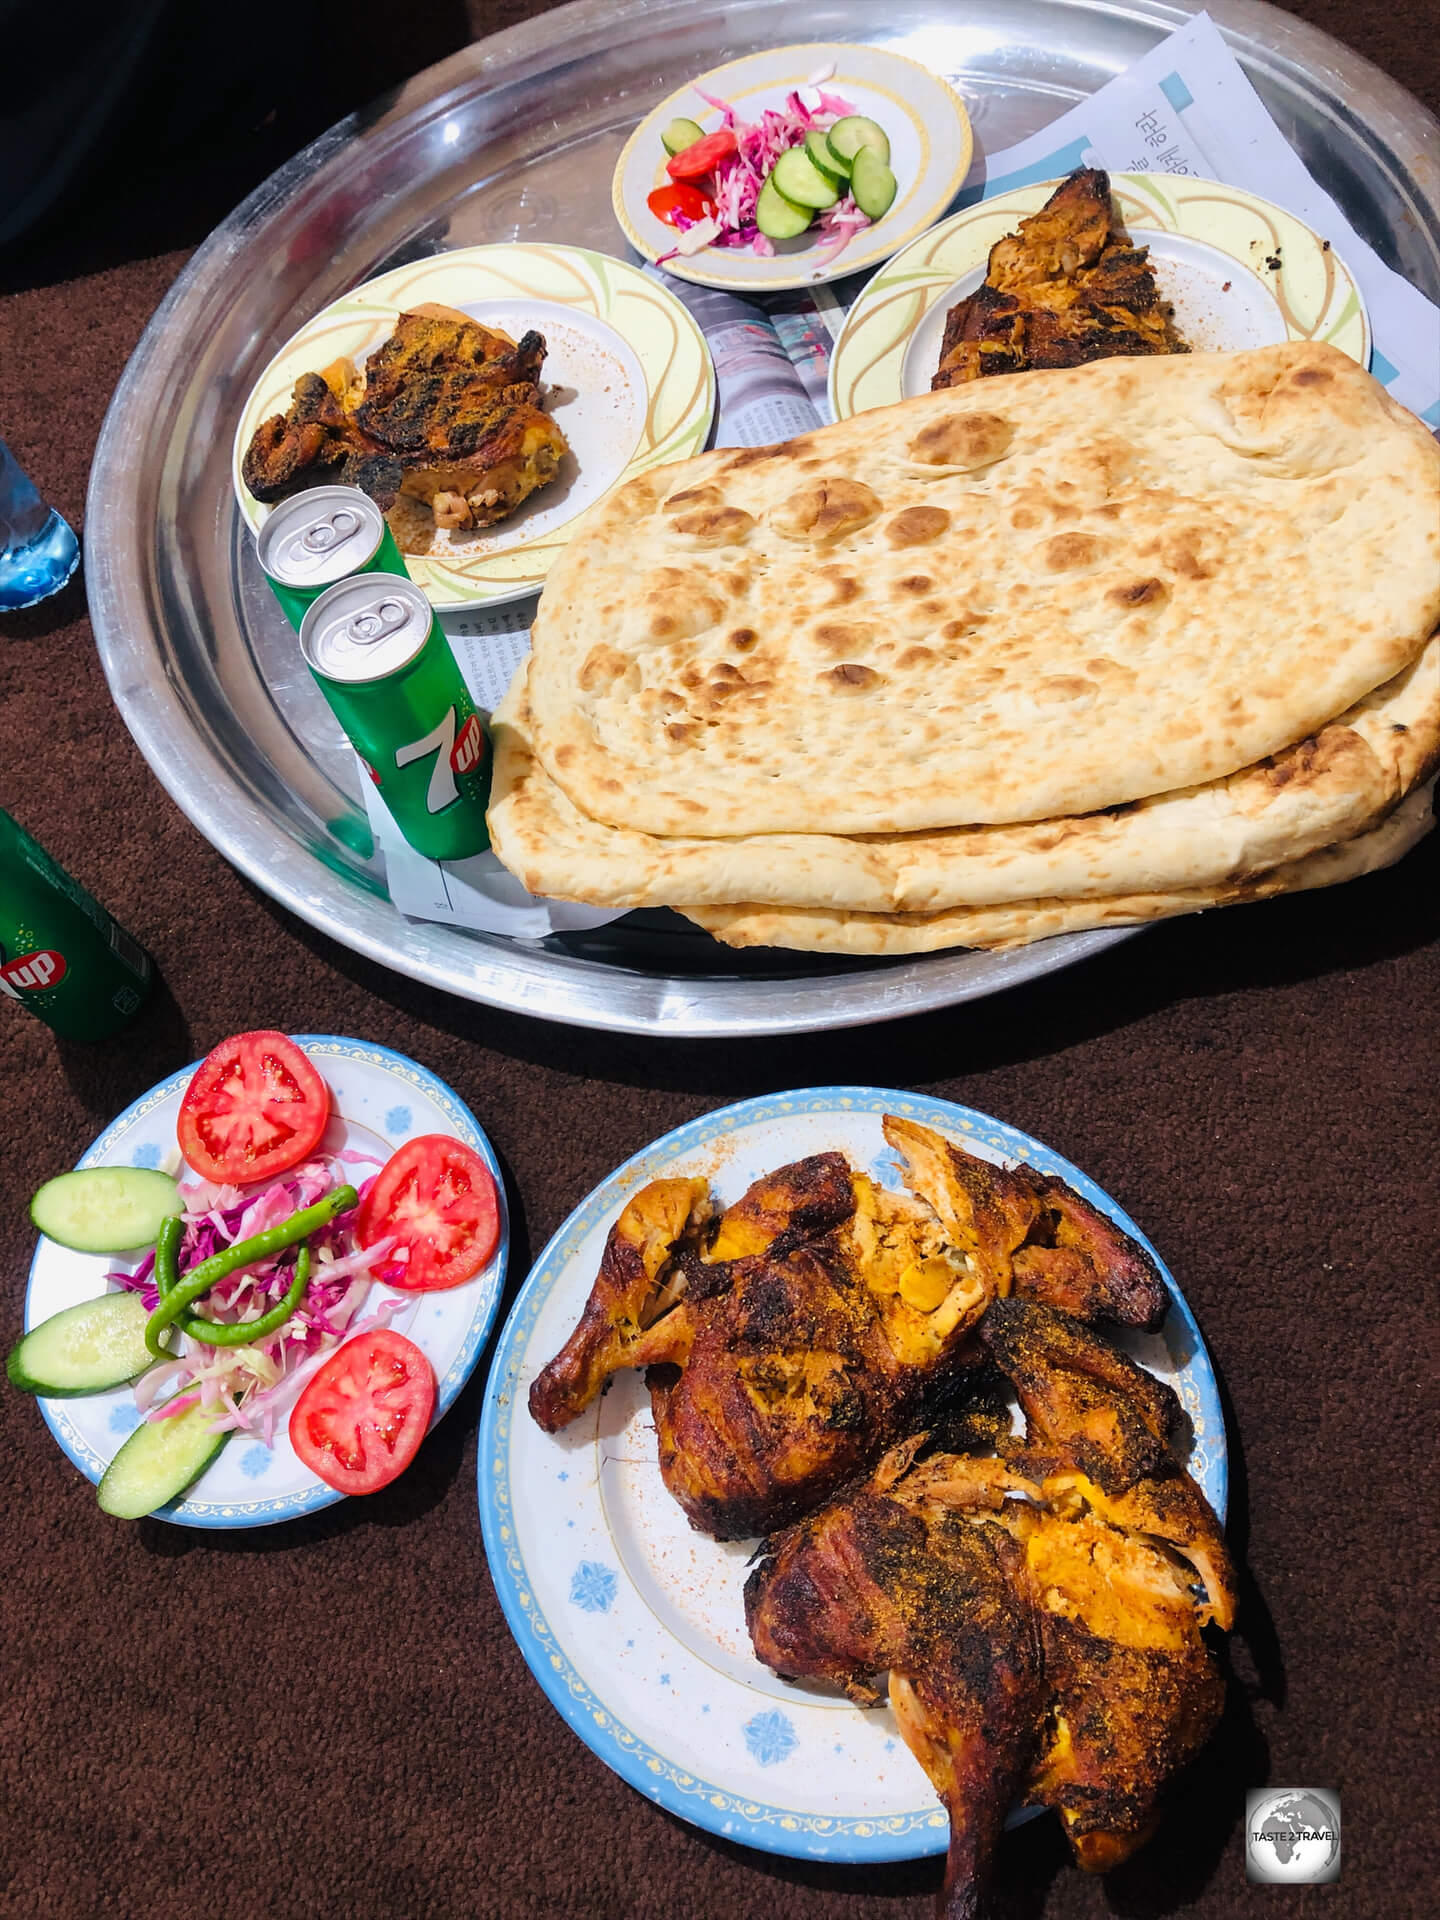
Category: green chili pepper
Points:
column 245, row 1253
column 240, row 1333
column 167, row 1254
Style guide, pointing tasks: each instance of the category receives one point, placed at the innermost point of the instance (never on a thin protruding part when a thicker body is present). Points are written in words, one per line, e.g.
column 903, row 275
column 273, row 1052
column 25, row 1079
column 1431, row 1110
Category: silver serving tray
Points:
column 515, row 139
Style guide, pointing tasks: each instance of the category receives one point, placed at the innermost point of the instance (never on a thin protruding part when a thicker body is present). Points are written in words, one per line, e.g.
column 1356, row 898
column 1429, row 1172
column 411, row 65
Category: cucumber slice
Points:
column 681, row 134
column 872, row 183
column 85, row 1349
column 849, row 135
column 818, row 148
column 796, row 176
column 778, row 217
column 105, row 1209
column 159, row 1461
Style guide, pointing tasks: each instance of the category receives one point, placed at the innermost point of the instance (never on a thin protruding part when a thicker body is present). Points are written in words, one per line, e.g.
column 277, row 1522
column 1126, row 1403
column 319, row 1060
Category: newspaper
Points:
column 1186, row 107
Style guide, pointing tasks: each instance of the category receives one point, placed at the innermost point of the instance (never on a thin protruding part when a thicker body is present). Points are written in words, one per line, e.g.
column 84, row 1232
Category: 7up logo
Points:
column 453, row 755
column 469, row 750
column 32, row 972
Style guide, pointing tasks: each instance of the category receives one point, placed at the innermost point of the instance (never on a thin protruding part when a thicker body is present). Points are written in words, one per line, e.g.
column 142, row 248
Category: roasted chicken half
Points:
column 446, row 414
column 1039, row 1606
column 1069, row 287
column 804, row 1330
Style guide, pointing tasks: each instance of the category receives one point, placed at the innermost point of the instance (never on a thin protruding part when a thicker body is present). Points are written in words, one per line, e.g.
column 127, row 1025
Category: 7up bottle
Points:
column 384, row 664
column 61, row 955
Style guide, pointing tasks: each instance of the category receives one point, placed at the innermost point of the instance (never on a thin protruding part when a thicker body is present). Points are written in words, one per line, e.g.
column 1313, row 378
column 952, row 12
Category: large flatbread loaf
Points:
column 882, row 935
column 1014, row 600
column 1327, row 788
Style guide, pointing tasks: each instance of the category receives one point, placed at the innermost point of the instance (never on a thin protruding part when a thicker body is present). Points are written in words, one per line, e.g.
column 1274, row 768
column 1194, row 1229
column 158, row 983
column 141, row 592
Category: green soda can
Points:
column 61, row 954
column 383, row 662
column 320, row 536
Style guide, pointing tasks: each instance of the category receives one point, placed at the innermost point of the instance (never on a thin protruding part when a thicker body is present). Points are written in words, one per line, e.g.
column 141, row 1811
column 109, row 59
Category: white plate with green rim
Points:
column 627, row 378
column 921, row 114
column 379, row 1100
column 634, row 1624
column 1239, row 271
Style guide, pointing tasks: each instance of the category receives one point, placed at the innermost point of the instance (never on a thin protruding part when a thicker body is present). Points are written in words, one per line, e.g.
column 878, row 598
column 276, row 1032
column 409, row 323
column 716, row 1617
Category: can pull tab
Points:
column 377, row 622
column 329, row 533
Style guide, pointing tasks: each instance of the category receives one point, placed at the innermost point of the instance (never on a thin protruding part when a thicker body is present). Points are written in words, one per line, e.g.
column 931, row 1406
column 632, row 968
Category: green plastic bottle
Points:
column 61, row 954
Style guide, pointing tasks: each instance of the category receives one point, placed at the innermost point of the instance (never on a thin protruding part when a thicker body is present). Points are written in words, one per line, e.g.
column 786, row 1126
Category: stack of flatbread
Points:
column 1065, row 650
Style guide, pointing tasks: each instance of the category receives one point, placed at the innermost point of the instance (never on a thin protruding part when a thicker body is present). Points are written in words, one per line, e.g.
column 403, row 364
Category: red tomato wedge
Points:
column 359, row 1422
column 436, row 1196
column 695, row 161
column 666, row 202
column 255, row 1107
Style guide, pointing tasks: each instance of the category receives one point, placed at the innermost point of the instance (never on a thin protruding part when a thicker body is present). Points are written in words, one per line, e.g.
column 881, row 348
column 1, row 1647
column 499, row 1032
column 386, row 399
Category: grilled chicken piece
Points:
column 821, row 1316
column 626, row 1298
column 889, row 1579
column 1068, row 288
column 1099, row 1432
column 315, row 443
column 1112, row 1419
column 447, row 413
column 1035, row 1233
column 1043, row 1634
column 792, row 1354
column 808, row 1357
column 1133, row 1690
column 460, row 408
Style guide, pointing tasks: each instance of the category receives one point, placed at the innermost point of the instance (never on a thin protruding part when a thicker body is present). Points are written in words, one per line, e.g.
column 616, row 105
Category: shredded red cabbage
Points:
column 233, row 1379
column 740, row 176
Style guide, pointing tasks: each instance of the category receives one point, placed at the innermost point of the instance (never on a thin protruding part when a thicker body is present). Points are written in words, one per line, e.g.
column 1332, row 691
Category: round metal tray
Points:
column 515, row 139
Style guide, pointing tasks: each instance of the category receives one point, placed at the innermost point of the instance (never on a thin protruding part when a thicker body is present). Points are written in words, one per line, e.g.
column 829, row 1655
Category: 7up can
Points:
column 318, row 537
column 61, row 955
column 385, row 666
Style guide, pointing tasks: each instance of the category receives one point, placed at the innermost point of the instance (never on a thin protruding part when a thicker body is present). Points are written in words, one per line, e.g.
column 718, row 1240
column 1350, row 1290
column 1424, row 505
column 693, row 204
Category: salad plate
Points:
column 634, row 1625
column 627, row 371
column 922, row 118
column 380, row 1099
column 1239, row 271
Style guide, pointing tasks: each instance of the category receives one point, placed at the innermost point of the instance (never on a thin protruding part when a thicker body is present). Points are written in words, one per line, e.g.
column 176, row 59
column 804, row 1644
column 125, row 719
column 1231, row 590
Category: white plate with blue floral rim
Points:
column 632, row 1623
column 380, row 1100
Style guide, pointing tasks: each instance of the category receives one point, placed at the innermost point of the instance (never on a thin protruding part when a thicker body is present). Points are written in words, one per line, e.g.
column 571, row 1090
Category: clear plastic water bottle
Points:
column 38, row 551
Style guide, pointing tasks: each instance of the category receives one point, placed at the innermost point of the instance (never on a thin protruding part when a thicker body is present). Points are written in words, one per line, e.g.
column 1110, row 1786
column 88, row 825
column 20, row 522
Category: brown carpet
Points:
column 331, row 1720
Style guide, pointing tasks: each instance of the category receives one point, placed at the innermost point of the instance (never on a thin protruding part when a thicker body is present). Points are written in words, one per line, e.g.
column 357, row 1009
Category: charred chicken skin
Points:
column 799, row 1334
column 1067, row 288
column 446, row 414
column 1039, row 1608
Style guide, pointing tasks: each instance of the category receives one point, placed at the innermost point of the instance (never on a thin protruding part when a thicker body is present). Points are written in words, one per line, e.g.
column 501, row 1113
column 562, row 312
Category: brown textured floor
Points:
column 331, row 1719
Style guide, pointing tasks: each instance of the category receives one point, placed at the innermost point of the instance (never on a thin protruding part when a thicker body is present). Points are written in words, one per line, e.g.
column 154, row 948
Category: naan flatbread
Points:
column 1020, row 599
column 1329, row 788
column 883, row 935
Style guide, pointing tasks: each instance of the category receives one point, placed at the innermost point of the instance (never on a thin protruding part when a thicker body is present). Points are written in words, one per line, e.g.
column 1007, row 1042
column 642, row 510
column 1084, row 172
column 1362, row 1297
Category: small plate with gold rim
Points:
column 1238, row 271
column 923, row 118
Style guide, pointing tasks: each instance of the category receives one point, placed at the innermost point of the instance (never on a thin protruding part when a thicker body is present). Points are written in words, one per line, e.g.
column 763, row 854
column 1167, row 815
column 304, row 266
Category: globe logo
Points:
column 1292, row 1836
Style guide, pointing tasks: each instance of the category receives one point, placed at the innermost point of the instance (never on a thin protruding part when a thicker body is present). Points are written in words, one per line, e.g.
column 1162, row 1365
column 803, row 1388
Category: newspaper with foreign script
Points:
column 1185, row 107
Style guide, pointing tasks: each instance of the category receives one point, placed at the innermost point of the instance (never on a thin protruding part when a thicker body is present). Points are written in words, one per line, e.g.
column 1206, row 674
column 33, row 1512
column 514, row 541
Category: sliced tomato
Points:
column 703, row 156
column 360, row 1421
column 255, row 1106
column 666, row 202
column 436, row 1196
